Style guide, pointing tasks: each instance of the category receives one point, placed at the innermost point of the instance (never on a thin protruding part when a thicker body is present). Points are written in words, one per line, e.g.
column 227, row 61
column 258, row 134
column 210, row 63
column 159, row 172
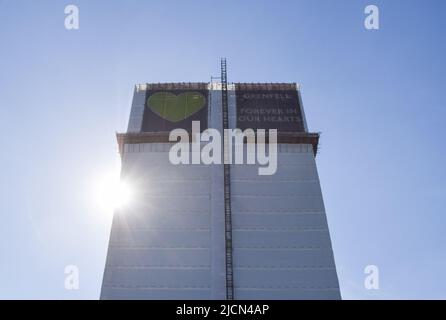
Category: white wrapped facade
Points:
column 169, row 243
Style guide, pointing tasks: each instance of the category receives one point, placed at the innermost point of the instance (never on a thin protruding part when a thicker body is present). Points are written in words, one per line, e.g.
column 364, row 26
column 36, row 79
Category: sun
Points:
column 112, row 193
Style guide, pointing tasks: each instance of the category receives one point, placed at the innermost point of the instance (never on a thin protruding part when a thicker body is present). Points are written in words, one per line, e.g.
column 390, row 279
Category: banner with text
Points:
column 269, row 106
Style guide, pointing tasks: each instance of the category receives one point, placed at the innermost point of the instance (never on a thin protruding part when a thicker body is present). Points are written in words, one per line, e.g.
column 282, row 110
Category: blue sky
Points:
column 376, row 96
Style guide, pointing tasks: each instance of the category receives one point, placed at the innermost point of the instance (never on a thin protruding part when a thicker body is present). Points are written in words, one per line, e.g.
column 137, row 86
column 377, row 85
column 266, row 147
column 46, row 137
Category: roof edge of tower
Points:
column 172, row 86
column 205, row 85
column 266, row 86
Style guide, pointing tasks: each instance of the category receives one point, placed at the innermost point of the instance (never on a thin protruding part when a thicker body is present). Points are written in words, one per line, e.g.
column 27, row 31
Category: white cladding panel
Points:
column 160, row 244
column 137, row 110
column 282, row 247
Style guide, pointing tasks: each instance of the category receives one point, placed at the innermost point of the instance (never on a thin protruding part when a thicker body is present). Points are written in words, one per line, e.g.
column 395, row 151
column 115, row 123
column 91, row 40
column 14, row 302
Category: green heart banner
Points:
column 176, row 107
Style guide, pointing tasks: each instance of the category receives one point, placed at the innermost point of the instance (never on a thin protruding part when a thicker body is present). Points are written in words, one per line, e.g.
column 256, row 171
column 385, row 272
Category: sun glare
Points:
column 112, row 193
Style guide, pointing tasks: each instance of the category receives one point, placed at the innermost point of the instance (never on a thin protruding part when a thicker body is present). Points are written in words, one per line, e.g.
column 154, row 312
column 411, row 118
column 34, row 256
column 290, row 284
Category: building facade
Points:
column 171, row 241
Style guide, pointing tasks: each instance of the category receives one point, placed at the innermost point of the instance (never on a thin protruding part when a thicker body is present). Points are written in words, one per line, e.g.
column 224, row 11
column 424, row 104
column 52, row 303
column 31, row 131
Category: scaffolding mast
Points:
column 227, row 183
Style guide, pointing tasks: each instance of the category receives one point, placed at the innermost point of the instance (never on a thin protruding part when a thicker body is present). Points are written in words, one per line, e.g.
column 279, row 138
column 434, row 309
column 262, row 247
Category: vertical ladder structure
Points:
column 227, row 183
